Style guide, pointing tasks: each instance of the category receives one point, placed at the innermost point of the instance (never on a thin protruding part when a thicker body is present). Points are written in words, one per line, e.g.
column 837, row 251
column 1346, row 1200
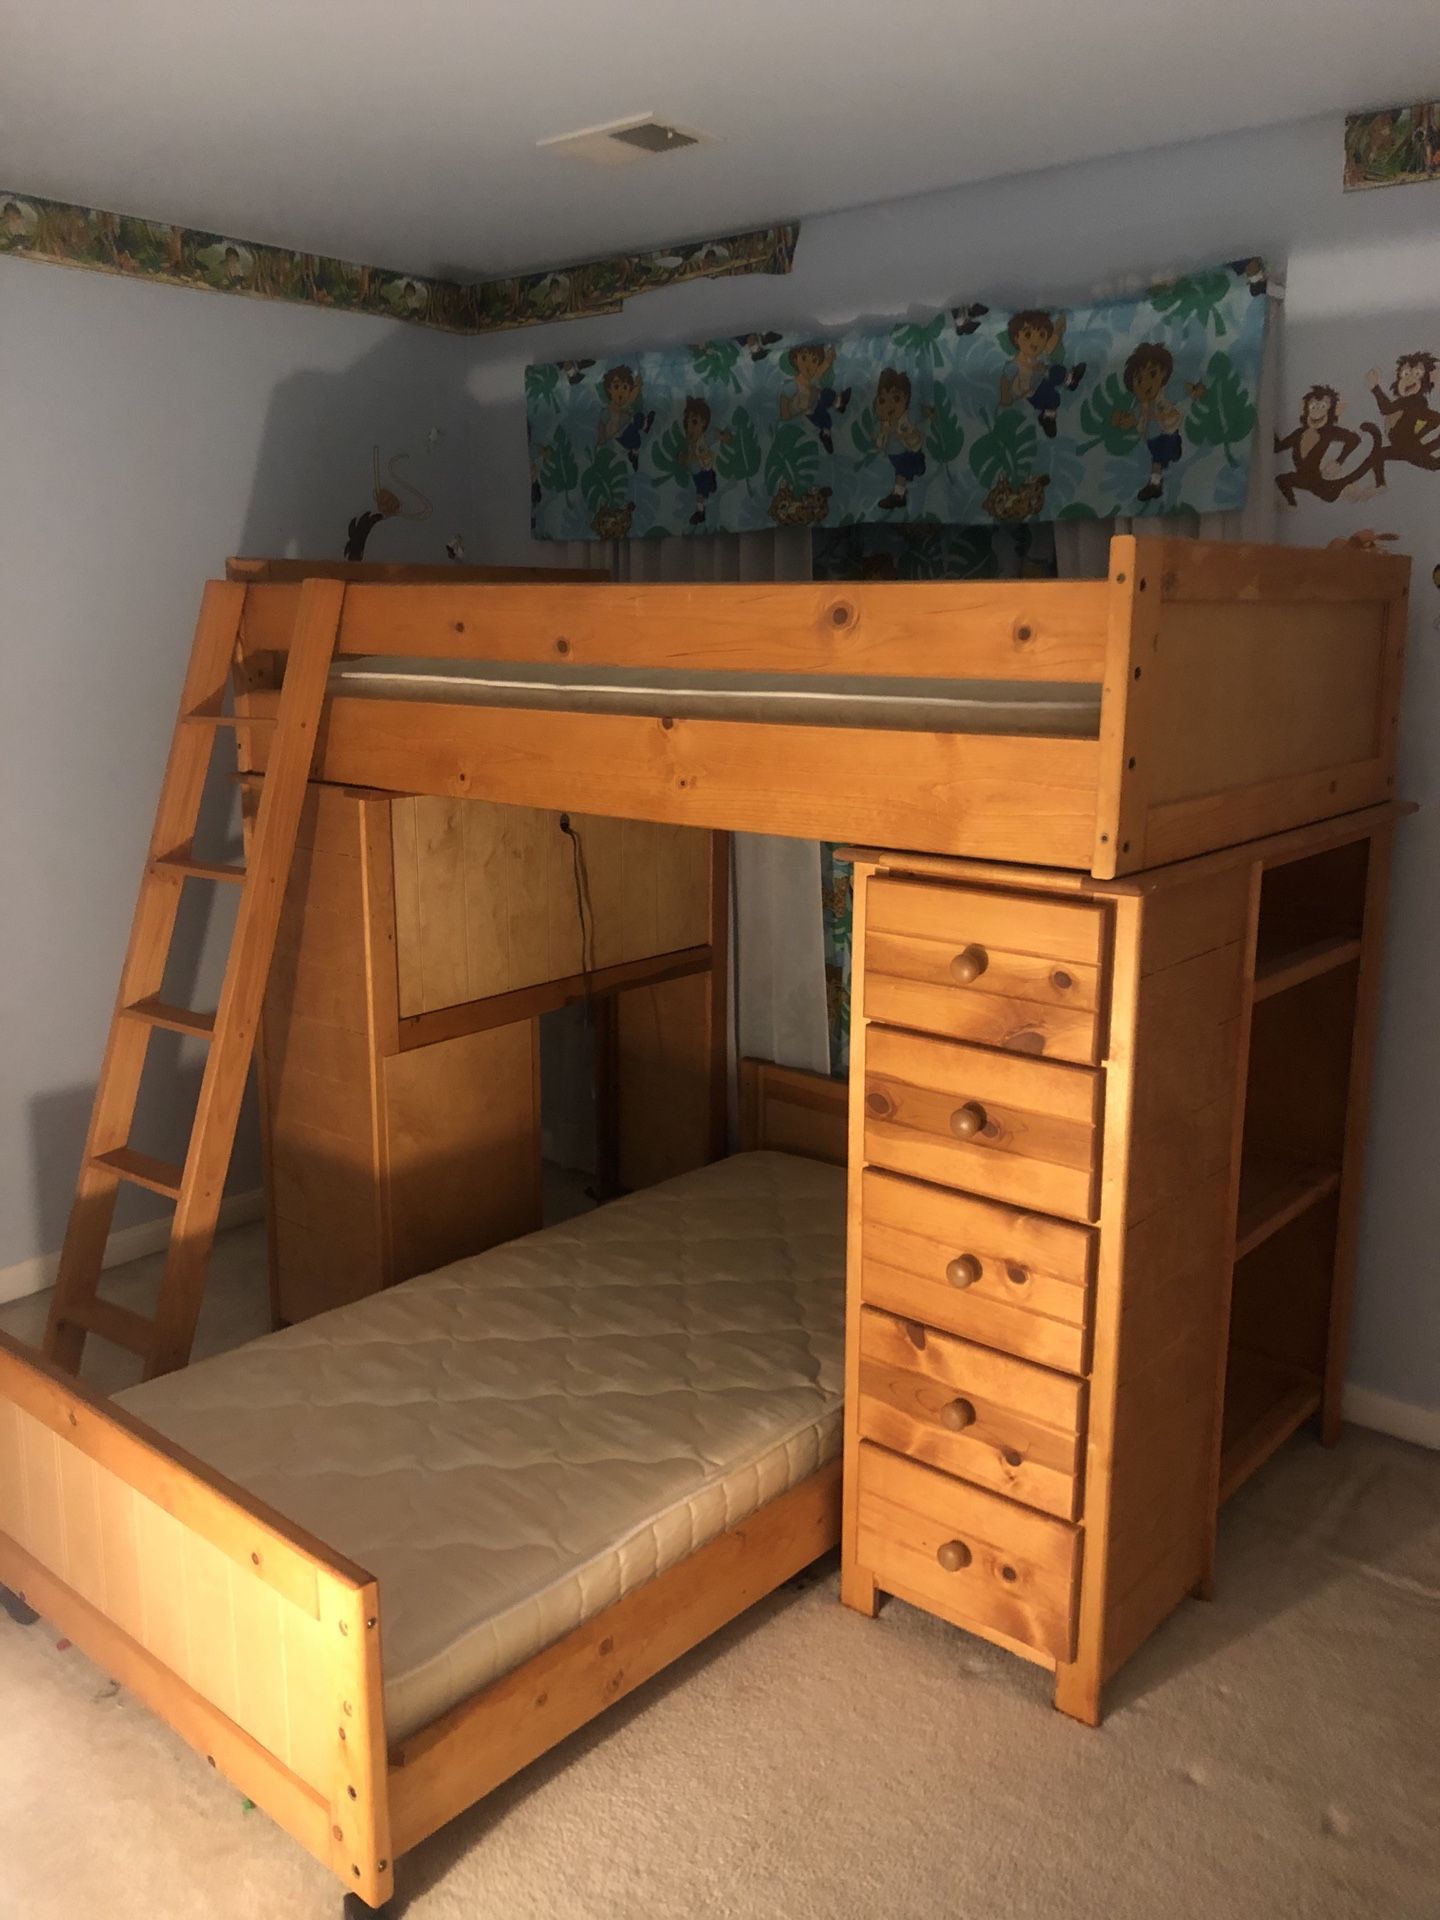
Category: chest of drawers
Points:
column 1082, row 1303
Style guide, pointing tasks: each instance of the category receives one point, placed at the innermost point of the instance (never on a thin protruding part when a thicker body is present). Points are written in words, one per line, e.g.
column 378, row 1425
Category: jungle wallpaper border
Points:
column 61, row 233
column 1392, row 146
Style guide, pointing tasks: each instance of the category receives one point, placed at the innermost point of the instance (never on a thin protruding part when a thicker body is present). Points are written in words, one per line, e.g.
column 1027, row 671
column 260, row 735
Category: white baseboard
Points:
column 1389, row 1415
column 126, row 1243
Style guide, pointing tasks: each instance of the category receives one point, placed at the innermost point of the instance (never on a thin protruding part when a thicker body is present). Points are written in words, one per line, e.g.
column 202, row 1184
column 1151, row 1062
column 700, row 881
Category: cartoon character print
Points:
column 811, row 399
column 625, row 420
column 758, row 345
column 967, row 318
column 1412, row 426
column 698, row 457
column 1147, row 373
column 1038, row 373
column 791, row 509
column 1319, row 447
column 896, row 435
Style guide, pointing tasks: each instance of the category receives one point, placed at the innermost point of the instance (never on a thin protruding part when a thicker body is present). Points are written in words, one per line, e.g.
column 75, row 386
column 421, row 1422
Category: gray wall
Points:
column 1364, row 285
column 145, row 433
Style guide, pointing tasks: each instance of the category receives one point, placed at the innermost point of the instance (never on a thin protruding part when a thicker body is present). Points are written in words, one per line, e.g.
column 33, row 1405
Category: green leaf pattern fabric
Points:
column 970, row 417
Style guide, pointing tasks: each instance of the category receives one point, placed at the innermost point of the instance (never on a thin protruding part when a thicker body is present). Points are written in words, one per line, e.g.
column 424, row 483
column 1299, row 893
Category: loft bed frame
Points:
column 1244, row 691
column 1197, row 648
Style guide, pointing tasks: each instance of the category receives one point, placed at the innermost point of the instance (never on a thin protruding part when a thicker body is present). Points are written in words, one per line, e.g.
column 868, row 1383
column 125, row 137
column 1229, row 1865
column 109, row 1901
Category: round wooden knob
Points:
column 967, row 1121
column 953, row 1556
column 964, row 1270
column 957, row 1415
column 969, row 965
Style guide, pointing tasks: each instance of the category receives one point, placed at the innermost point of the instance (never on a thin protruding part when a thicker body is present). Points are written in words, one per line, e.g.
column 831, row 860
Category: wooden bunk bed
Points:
column 1118, row 845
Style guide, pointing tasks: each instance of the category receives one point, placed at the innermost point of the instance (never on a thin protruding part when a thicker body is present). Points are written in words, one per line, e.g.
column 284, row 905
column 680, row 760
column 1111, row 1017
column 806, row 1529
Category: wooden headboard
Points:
column 791, row 1111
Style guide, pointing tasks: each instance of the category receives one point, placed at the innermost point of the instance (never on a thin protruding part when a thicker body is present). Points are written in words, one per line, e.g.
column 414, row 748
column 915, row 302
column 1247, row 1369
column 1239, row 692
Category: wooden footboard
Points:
column 261, row 1647
column 257, row 1644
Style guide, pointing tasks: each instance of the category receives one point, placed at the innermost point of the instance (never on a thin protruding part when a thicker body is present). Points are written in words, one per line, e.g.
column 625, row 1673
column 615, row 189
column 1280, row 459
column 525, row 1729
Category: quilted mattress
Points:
column 513, row 1443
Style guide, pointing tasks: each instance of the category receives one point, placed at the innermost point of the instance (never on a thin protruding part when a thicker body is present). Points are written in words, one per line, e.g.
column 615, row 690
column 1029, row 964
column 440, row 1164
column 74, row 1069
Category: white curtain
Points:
column 777, row 953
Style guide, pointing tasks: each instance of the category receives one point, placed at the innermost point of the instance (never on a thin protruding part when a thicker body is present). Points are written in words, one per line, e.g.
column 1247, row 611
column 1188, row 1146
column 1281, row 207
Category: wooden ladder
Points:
column 196, row 1188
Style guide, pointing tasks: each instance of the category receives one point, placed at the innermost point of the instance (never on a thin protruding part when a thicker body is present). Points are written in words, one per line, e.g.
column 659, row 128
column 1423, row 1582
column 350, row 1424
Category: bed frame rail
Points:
column 257, row 1644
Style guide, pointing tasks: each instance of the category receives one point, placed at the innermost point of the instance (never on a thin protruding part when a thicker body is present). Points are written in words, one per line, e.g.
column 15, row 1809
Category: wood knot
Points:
column 666, row 722
column 562, row 645
column 915, row 1334
column 1061, row 980
column 878, row 1102
column 1024, row 633
column 607, row 1645
column 1012, row 1456
column 1009, row 1573
column 1026, row 1042
column 459, row 626
column 1016, row 1274
column 842, row 614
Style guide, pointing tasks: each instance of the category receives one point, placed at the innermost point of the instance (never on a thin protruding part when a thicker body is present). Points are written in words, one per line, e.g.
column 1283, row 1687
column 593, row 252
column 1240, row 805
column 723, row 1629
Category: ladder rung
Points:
column 160, row 1013
column 117, row 1324
column 198, row 869
column 202, row 718
column 161, row 1176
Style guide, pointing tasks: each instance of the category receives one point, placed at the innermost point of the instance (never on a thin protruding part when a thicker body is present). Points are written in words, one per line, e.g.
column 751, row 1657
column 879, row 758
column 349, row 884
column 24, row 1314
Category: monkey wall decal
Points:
column 1332, row 462
column 1412, row 426
column 1318, row 448
column 388, row 506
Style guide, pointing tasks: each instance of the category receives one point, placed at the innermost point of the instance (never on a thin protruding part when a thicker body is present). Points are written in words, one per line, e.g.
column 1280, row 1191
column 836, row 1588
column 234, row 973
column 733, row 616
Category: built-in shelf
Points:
column 1274, row 1190
column 1265, row 1401
column 1282, row 961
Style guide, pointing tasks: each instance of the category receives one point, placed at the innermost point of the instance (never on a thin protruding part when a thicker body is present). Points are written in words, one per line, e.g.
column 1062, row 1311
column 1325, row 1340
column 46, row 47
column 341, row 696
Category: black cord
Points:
column 584, row 910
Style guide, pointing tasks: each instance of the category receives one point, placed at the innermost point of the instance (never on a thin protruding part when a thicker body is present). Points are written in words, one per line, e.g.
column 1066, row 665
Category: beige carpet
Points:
column 1273, row 1756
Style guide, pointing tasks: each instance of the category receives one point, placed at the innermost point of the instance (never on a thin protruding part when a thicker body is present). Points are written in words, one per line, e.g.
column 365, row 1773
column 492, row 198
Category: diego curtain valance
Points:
column 974, row 416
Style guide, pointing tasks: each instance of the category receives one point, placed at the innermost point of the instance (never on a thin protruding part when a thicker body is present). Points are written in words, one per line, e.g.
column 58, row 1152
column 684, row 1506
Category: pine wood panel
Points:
column 997, row 1421
column 222, row 1624
column 486, row 897
column 462, row 1146
column 1019, row 1577
column 992, row 630
column 1019, row 797
column 1030, row 1295
column 1036, row 1144
column 788, row 1110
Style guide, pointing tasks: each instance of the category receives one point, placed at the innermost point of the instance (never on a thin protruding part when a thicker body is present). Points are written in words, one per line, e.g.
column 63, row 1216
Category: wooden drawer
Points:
column 997, row 968
column 1006, row 1571
column 1017, row 1281
column 1002, row 1423
column 1036, row 1131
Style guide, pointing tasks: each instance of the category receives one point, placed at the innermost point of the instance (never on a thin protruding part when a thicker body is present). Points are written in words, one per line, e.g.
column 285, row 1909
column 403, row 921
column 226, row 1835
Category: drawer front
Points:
column 967, row 1555
column 1016, row 1281
column 1002, row 1423
column 1020, row 1130
column 1005, row 971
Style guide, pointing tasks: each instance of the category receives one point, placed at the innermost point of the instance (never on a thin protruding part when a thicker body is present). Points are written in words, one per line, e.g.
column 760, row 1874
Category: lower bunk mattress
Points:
column 515, row 1442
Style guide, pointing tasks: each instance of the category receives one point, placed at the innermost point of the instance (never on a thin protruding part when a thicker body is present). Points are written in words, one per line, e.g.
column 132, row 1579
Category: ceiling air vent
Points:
column 617, row 143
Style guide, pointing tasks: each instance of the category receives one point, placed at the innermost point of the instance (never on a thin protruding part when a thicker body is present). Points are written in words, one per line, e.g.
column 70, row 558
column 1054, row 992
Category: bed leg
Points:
column 19, row 1612
column 358, row 1909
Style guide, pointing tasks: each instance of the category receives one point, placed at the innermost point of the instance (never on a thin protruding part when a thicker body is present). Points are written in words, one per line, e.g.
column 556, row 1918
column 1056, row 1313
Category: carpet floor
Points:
column 1270, row 1756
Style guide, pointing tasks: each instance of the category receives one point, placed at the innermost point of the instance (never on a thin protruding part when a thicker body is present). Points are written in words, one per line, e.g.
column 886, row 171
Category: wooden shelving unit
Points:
column 1265, row 1401
column 1292, row 1240
column 1285, row 962
column 1276, row 1188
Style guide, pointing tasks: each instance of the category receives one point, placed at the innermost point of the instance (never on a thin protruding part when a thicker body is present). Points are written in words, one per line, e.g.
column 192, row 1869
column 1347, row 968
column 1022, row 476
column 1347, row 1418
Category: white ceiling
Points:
column 403, row 132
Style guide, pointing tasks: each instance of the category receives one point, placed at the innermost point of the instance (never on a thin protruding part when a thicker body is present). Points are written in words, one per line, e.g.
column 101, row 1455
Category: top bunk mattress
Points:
column 1058, row 709
column 515, row 1442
